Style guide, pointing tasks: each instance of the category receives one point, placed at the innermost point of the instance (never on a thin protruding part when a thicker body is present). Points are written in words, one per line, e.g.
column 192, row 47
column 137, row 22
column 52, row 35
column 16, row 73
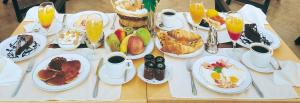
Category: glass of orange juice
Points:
column 235, row 26
column 46, row 14
column 197, row 11
column 94, row 32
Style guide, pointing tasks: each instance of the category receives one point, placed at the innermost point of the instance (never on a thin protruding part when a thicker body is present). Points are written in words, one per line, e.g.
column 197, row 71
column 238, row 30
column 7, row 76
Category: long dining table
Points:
column 136, row 91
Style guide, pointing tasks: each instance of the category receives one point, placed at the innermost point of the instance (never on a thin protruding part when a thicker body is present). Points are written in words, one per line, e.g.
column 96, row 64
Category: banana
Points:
column 124, row 43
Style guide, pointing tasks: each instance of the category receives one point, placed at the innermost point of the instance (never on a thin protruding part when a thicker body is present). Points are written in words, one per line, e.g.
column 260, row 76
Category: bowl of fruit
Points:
column 134, row 43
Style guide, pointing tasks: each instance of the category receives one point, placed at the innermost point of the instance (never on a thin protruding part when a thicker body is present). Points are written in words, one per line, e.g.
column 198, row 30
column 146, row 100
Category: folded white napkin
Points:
column 10, row 73
column 288, row 75
column 253, row 14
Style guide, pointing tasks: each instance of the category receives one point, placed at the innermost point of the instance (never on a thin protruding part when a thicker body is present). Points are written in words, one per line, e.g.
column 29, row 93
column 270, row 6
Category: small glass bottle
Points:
column 149, row 70
column 160, row 71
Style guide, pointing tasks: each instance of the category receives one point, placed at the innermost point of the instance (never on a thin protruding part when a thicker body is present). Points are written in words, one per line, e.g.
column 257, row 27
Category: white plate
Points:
column 148, row 50
column 76, row 16
column 197, row 52
column 55, row 27
column 246, row 60
column 116, row 81
column 39, row 39
column 154, row 81
column 197, row 73
column 272, row 37
column 83, row 73
column 190, row 21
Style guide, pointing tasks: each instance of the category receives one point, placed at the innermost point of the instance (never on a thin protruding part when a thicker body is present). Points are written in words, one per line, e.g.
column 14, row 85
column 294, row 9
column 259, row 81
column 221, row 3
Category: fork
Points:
column 189, row 68
column 114, row 20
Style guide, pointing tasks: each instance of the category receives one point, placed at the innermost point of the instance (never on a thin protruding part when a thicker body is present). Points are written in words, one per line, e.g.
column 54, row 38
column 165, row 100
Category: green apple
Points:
column 144, row 34
column 113, row 42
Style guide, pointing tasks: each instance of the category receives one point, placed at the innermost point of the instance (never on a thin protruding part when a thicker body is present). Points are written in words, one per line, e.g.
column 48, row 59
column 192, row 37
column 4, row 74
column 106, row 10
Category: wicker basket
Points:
column 130, row 20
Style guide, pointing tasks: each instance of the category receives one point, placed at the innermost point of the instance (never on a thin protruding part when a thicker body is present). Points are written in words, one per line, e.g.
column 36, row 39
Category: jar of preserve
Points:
column 160, row 71
column 149, row 70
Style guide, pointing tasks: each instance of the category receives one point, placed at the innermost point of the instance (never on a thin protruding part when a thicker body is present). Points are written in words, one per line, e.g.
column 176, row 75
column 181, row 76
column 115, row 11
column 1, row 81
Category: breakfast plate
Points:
column 78, row 18
column 167, row 77
column 246, row 60
column 222, row 74
column 189, row 54
column 267, row 36
column 117, row 81
column 9, row 46
column 190, row 21
column 58, row 81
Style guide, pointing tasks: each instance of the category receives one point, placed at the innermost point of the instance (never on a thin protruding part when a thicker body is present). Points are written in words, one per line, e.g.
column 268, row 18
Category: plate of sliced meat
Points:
column 61, row 72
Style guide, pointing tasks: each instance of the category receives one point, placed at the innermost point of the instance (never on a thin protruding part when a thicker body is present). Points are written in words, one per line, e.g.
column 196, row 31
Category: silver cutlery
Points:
column 258, row 91
column 126, row 72
column 114, row 20
column 95, row 93
column 279, row 66
column 28, row 70
column 186, row 19
column 189, row 67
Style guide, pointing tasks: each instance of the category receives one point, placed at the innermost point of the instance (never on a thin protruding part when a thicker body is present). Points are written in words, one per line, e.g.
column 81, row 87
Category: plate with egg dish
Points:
column 256, row 34
column 154, row 70
column 61, row 72
column 22, row 46
column 222, row 74
column 179, row 43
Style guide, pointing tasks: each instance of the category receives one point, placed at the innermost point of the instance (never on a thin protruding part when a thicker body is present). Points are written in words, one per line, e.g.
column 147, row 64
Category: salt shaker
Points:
column 211, row 45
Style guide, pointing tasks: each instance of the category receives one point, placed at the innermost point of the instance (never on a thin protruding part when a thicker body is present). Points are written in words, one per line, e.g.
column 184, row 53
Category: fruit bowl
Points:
column 135, row 44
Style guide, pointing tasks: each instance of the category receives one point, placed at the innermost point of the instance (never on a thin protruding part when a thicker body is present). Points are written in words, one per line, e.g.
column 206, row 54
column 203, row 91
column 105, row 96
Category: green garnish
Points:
column 218, row 69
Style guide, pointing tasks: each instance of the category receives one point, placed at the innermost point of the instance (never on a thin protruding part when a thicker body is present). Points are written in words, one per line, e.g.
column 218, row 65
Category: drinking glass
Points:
column 197, row 11
column 46, row 15
column 235, row 26
column 94, row 32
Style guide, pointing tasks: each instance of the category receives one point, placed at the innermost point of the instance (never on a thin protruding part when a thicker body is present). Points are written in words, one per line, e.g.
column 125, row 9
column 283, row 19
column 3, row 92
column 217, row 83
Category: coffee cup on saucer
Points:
column 168, row 17
column 261, row 54
column 116, row 64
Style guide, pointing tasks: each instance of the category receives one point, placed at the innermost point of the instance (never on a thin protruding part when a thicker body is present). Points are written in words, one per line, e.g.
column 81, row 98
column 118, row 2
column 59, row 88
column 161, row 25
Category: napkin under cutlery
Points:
column 288, row 75
column 10, row 72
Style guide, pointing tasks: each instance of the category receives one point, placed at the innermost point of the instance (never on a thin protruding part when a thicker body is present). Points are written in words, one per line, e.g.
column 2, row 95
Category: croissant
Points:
column 183, row 35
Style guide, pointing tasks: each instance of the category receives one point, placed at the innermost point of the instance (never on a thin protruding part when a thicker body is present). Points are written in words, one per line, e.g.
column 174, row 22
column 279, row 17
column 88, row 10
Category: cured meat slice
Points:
column 46, row 74
column 71, row 69
column 58, row 79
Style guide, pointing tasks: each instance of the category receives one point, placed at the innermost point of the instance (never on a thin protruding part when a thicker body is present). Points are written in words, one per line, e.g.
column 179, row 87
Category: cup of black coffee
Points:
column 168, row 17
column 116, row 64
column 261, row 54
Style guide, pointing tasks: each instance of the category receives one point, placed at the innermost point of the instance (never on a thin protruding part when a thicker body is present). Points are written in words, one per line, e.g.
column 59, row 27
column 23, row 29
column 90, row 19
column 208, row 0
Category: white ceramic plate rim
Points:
column 245, row 84
column 248, row 63
column 40, row 39
column 148, row 49
column 197, row 52
column 130, row 75
column 83, row 73
column 140, row 74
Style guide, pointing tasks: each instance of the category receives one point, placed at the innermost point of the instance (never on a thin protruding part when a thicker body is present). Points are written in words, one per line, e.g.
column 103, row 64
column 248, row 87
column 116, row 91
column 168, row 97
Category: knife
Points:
column 95, row 93
column 28, row 70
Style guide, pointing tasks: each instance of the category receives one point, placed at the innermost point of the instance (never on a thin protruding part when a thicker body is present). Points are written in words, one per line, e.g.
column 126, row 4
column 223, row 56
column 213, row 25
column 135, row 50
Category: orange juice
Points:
column 46, row 15
column 94, row 29
column 197, row 12
column 235, row 27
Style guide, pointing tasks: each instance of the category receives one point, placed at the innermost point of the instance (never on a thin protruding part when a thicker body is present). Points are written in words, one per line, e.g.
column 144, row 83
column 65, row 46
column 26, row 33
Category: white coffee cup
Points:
column 116, row 69
column 168, row 17
column 260, row 54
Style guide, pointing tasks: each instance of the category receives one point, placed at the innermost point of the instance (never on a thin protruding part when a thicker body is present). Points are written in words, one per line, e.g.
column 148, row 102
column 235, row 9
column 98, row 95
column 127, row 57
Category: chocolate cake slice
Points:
column 23, row 42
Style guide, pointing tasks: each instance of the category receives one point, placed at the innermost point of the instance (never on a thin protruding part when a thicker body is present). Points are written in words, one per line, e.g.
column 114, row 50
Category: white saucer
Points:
column 119, row 81
column 246, row 60
column 177, row 25
column 153, row 81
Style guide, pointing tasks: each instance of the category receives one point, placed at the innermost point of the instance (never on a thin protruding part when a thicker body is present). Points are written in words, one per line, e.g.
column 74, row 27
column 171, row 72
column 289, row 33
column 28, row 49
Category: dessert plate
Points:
column 140, row 74
column 83, row 73
column 7, row 47
column 75, row 17
column 148, row 49
column 198, row 52
column 272, row 37
column 116, row 81
column 203, row 75
column 246, row 60
column 190, row 21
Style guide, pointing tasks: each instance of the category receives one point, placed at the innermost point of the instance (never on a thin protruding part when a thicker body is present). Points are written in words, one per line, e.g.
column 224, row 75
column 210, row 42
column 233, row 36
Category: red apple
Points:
column 135, row 45
column 120, row 34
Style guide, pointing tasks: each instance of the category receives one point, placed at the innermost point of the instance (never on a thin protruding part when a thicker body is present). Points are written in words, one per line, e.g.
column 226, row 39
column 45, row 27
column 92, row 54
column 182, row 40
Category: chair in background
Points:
column 221, row 6
column 263, row 6
column 22, row 6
